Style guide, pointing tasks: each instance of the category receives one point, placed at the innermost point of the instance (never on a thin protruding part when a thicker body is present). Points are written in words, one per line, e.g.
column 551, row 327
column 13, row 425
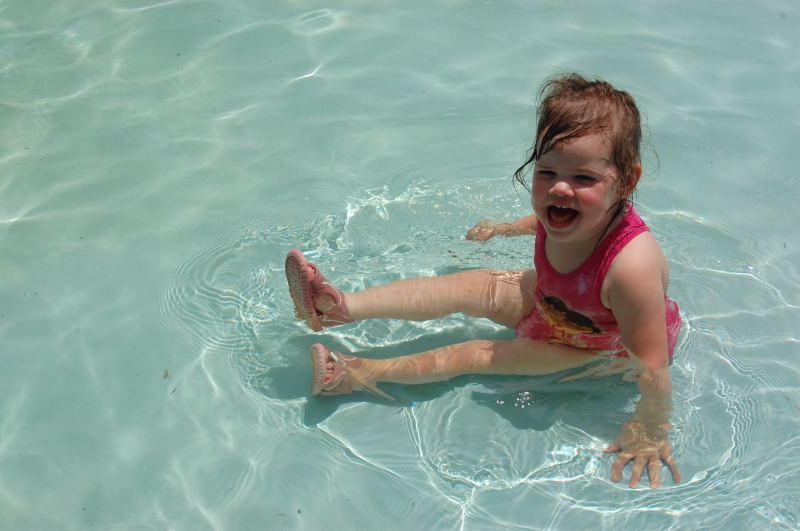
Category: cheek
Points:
column 536, row 198
column 598, row 196
column 539, row 190
column 613, row 196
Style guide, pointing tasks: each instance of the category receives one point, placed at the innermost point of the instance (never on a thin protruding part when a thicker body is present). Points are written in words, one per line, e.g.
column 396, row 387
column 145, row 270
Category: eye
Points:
column 587, row 179
column 545, row 174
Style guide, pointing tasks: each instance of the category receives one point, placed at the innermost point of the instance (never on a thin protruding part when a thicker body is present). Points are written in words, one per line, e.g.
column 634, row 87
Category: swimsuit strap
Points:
column 631, row 226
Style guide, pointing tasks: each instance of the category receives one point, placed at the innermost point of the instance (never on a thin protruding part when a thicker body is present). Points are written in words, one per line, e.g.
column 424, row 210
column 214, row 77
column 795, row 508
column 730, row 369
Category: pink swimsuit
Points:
column 594, row 327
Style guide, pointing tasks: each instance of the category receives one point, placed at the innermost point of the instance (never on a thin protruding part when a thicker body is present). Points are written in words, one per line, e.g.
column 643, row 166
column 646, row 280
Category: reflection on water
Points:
column 533, row 434
column 158, row 159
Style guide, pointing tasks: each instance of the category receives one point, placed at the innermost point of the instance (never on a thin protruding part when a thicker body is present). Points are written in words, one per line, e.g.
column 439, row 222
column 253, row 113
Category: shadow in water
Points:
column 596, row 406
column 527, row 402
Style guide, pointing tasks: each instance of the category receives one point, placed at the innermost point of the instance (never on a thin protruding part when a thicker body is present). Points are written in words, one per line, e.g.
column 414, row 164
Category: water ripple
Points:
column 535, row 439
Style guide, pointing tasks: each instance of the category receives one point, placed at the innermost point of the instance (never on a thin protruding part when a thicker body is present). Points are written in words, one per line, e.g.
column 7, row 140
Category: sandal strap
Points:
column 320, row 286
column 340, row 371
column 343, row 381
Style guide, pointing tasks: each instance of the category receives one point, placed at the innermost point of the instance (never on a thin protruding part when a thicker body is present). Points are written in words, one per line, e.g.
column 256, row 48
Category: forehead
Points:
column 592, row 150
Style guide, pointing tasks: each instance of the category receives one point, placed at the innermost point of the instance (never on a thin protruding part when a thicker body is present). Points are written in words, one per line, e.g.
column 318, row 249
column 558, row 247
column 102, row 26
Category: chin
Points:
column 560, row 236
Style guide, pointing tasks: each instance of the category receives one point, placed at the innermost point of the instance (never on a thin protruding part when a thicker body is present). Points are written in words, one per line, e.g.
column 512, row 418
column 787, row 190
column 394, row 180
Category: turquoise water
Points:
column 158, row 159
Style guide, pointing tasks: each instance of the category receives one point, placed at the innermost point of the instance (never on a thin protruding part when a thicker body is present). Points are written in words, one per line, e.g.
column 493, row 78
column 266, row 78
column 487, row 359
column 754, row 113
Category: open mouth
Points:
column 560, row 217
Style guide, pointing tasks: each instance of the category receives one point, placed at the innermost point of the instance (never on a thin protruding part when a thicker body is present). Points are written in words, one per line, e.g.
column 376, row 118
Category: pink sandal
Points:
column 305, row 284
column 342, row 382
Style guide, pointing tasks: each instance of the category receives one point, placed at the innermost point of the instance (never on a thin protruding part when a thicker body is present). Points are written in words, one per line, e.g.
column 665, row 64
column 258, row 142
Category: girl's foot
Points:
column 330, row 372
column 315, row 300
column 334, row 373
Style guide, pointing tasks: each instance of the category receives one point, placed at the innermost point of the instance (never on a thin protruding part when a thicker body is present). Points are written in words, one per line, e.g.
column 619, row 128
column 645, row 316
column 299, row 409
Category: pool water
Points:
column 159, row 158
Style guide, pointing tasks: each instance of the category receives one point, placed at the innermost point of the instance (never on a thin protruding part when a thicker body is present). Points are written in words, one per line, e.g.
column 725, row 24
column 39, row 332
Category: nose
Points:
column 561, row 188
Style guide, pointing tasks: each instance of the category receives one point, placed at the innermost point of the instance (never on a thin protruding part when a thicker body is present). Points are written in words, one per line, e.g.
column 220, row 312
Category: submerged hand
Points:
column 485, row 230
column 644, row 444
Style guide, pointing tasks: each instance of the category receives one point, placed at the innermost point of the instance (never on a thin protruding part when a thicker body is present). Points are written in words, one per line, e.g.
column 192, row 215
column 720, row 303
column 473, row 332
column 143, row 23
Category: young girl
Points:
column 598, row 289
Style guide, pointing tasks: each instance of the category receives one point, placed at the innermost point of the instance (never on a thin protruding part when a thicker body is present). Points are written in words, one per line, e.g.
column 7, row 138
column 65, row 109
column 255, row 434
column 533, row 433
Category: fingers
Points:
column 654, row 471
column 676, row 475
column 613, row 447
column 482, row 232
column 636, row 471
column 619, row 465
column 641, row 457
column 480, row 235
column 639, row 462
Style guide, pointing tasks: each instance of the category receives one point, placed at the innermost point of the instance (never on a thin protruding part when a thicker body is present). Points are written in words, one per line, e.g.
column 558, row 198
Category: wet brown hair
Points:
column 571, row 106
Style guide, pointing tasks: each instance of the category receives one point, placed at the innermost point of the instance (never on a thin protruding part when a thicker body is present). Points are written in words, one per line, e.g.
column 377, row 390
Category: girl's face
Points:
column 575, row 190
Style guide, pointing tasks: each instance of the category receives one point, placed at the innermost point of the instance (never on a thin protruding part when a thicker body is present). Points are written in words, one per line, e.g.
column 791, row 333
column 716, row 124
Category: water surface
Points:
column 158, row 159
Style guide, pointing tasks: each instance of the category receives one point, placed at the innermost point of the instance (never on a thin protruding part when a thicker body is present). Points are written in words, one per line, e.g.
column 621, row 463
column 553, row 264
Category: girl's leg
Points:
column 520, row 356
column 502, row 296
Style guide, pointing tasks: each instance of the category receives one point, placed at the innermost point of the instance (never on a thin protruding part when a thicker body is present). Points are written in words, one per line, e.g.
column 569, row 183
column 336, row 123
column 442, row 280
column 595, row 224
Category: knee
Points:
column 494, row 294
column 481, row 293
column 507, row 293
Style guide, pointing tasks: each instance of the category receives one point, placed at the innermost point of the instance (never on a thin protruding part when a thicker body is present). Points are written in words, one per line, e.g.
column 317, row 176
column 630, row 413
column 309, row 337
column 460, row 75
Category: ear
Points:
column 637, row 174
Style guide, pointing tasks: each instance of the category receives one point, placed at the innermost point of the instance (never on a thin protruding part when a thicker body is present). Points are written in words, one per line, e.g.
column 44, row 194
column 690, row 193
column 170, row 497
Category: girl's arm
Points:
column 487, row 229
column 636, row 286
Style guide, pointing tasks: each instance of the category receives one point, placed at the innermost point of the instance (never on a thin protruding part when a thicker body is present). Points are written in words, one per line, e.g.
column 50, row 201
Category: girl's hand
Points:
column 644, row 444
column 486, row 230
